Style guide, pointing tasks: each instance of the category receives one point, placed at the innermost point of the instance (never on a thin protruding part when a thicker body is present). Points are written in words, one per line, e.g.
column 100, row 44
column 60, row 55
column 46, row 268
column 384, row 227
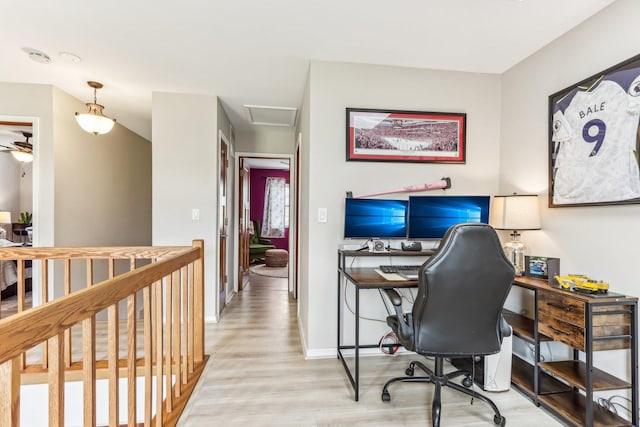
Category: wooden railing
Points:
column 164, row 342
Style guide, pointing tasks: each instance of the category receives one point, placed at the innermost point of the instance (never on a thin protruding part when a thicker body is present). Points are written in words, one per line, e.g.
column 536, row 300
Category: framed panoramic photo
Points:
column 594, row 139
column 405, row 136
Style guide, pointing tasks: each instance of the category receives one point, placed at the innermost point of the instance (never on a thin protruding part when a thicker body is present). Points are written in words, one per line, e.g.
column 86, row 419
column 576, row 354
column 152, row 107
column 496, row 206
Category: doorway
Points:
column 223, row 222
column 16, row 176
column 18, row 203
column 255, row 223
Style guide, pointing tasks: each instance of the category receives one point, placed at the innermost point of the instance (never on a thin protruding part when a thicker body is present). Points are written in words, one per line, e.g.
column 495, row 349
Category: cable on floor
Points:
column 389, row 338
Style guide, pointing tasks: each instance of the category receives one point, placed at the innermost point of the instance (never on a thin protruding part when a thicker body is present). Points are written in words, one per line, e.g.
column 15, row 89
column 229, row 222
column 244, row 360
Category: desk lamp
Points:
column 5, row 218
column 515, row 212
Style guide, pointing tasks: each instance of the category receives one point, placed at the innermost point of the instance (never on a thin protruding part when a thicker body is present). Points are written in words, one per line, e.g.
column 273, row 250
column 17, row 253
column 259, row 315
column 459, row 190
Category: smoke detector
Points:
column 36, row 55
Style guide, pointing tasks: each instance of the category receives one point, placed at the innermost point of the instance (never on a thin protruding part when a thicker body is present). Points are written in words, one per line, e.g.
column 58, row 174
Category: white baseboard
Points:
column 327, row 353
column 319, row 353
column 209, row 319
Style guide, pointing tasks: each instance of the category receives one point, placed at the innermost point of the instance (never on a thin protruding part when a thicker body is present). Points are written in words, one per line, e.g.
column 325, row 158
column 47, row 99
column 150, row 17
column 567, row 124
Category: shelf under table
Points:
column 575, row 373
column 522, row 376
column 572, row 407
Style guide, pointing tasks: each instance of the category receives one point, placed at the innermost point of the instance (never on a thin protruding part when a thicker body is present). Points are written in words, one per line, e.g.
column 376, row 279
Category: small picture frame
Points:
column 541, row 267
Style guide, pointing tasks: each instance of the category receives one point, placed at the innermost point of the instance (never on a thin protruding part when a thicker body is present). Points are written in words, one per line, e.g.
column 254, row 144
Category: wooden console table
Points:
column 587, row 324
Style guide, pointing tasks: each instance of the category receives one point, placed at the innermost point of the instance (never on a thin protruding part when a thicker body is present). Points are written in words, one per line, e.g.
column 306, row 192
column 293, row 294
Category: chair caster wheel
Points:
column 386, row 397
column 468, row 383
column 409, row 372
column 499, row 420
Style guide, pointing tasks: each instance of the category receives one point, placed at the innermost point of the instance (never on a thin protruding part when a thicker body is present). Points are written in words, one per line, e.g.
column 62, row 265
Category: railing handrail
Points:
column 115, row 252
column 24, row 330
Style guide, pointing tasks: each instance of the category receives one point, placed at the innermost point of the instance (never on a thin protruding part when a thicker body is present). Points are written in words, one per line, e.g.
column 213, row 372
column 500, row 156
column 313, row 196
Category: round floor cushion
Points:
column 276, row 258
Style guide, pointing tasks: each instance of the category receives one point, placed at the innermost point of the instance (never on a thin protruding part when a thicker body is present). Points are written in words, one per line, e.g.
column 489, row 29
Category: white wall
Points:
column 9, row 185
column 102, row 183
column 267, row 139
column 335, row 86
column 303, row 217
column 598, row 241
column 185, row 176
column 26, row 186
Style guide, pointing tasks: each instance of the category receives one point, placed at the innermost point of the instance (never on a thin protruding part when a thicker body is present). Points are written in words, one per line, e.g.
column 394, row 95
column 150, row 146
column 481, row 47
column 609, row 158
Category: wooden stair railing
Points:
column 171, row 288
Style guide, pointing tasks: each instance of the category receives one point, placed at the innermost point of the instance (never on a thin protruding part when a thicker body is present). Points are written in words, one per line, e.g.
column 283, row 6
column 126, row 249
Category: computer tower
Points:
column 497, row 368
column 492, row 373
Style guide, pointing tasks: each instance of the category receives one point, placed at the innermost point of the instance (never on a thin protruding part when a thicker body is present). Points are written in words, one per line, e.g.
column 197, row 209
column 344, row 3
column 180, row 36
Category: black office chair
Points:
column 458, row 309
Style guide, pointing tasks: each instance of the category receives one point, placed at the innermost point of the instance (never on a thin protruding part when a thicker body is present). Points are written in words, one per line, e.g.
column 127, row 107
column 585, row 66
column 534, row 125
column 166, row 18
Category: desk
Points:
column 364, row 278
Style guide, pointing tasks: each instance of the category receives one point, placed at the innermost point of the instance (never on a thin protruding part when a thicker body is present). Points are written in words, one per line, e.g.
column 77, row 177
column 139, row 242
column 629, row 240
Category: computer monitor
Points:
column 430, row 217
column 375, row 218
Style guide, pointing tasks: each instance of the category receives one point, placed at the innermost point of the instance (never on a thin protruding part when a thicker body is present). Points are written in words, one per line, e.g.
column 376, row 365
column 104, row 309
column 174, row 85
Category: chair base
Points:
column 439, row 380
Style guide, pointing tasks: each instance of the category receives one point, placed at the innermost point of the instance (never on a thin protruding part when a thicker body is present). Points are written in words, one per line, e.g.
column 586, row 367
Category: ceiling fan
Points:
column 21, row 150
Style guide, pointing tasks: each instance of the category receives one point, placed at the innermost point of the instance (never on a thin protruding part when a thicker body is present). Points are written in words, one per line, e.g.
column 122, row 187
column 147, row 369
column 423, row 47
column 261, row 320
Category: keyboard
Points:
column 405, row 269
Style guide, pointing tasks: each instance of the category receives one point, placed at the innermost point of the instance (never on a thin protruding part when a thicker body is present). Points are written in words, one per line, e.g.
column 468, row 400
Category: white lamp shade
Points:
column 95, row 124
column 515, row 212
column 22, row 156
column 5, row 217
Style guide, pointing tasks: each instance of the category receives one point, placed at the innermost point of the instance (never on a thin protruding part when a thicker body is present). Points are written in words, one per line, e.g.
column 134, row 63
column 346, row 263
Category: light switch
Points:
column 195, row 214
column 322, row 214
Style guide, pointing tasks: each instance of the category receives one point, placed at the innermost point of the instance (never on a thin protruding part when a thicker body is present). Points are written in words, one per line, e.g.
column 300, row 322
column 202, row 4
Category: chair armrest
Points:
column 405, row 322
column 264, row 241
column 394, row 297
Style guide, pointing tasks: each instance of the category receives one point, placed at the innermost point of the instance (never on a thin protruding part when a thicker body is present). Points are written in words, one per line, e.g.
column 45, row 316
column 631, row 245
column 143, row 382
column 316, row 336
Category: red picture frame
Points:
column 405, row 136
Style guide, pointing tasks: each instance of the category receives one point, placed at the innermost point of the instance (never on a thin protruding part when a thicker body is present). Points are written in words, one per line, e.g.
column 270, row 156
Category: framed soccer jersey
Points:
column 594, row 139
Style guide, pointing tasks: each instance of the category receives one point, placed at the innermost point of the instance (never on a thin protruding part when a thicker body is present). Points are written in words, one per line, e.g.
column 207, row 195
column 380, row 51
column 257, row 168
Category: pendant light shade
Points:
column 94, row 121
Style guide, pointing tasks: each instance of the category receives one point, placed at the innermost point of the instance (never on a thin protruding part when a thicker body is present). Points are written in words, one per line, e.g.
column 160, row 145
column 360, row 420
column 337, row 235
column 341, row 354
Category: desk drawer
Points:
column 563, row 307
column 562, row 331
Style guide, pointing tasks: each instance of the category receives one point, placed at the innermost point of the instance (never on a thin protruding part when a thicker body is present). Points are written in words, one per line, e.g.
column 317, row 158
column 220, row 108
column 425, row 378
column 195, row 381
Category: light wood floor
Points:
column 257, row 376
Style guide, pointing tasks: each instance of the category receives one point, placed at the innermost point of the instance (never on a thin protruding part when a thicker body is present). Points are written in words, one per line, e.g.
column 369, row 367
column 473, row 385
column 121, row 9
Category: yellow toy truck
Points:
column 582, row 283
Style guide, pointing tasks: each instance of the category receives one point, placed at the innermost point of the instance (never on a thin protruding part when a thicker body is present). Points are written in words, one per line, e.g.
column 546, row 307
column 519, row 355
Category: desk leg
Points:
column 357, row 343
column 339, row 309
column 588, row 355
column 634, row 364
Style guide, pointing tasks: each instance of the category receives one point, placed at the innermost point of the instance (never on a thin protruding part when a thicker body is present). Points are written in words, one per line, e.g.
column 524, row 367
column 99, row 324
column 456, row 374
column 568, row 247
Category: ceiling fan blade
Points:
column 24, row 146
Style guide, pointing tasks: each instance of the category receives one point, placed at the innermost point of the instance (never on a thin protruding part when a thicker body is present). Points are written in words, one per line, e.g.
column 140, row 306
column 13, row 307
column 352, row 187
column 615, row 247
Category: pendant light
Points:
column 94, row 121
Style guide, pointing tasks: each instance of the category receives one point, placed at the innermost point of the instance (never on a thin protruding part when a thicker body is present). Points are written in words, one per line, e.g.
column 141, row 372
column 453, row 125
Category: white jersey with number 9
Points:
column 595, row 140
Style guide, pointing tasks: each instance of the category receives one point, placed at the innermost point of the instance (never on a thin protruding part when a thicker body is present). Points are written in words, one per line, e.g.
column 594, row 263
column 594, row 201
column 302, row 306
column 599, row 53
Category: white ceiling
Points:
column 257, row 51
column 266, row 163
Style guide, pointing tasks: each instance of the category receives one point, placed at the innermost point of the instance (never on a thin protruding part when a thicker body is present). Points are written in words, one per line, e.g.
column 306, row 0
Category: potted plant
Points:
column 25, row 219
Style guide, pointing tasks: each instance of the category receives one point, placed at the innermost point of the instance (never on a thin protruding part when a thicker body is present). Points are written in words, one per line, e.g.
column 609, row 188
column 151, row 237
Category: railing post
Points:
column 198, row 307
column 10, row 392
column 56, row 381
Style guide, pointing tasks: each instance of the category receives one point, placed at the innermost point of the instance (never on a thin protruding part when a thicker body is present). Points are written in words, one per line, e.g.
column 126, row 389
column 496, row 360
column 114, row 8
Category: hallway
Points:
column 257, row 376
